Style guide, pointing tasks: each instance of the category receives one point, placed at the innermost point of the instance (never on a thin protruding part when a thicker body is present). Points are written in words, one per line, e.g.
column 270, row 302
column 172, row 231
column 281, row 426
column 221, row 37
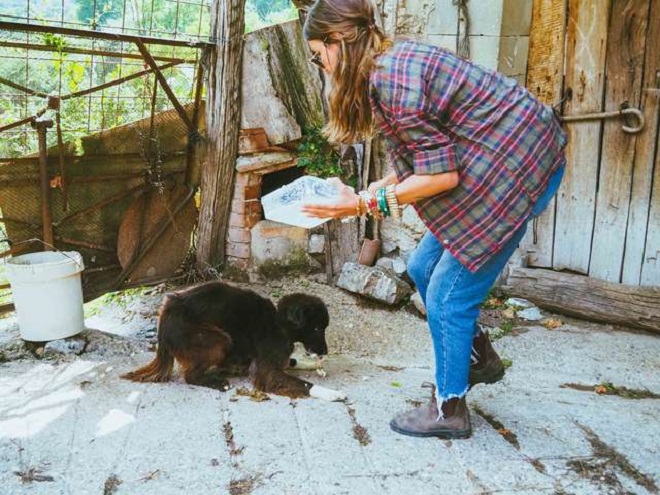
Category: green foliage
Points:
column 99, row 12
column 54, row 40
column 317, row 156
column 262, row 13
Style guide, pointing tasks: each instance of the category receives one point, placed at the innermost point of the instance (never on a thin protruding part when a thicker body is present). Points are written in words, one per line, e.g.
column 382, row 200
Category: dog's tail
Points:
column 161, row 368
column 158, row 370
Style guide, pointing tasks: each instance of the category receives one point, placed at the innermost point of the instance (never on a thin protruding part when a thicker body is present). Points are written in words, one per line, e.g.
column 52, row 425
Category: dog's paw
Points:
column 326, row 393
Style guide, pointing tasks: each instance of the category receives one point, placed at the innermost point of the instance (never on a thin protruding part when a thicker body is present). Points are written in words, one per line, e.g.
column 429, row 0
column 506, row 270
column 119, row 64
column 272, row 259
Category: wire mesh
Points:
column 104, row 97
column 57, row 65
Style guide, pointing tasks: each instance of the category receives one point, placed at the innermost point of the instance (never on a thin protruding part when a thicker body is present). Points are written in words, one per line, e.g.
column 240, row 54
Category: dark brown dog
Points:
column 214, row 330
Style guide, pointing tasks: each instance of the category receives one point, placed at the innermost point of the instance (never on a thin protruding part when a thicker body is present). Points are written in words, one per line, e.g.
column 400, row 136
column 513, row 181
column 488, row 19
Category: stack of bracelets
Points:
column 383, row 204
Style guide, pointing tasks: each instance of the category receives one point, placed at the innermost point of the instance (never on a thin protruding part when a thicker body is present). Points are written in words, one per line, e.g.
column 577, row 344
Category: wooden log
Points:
column 585, row 78
column 587, row 298
column 544, row 79
column 222, row 128
column 626, row 41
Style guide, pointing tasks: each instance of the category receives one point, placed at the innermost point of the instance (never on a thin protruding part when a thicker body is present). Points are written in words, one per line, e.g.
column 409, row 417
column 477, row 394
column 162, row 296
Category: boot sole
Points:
column 442, row 434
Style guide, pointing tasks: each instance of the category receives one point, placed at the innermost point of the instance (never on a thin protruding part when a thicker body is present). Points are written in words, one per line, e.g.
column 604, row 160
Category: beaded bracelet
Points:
column 382, row 202
column 392, row 201
column 370, row 203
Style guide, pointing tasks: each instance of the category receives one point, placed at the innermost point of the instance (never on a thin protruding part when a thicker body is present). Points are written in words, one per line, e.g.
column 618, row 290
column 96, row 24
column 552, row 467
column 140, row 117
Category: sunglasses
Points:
column 316, row 58
column 317, row 61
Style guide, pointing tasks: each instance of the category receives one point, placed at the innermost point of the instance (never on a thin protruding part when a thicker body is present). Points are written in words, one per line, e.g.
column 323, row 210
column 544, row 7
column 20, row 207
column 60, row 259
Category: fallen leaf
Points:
column 508, row 313
column 254, row 394
column 600, row 389
column 552, row 323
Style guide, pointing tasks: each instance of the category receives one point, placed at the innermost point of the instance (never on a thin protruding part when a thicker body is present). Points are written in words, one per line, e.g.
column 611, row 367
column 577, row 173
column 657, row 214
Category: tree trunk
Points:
column 222, row 128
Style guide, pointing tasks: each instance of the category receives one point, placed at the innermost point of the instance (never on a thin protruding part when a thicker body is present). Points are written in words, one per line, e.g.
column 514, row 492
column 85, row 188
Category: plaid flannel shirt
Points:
column 440, row 113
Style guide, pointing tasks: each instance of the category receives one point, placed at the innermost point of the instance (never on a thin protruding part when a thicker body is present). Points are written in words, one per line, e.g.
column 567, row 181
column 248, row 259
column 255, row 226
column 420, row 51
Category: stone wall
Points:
column 497, row 35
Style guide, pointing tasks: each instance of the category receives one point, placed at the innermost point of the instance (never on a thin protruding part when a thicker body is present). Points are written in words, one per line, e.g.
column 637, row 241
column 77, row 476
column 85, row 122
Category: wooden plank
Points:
column 626, row 42
column 587, row 298
column 643, row 231
column 585, row 74
column 544, row 79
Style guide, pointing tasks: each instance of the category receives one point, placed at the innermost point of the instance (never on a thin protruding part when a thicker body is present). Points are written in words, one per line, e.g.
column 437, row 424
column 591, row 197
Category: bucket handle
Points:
column 36, row 239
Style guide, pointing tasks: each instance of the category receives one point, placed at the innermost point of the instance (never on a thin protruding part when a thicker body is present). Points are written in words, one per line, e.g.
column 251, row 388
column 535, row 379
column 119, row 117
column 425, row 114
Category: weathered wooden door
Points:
column 600, row 55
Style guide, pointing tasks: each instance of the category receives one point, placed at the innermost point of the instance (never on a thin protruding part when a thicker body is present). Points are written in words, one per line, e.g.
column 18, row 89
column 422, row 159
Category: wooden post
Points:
column 222, row 128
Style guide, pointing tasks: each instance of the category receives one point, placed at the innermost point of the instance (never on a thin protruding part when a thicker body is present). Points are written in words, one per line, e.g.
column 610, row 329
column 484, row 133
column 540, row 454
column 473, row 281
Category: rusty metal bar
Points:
column 83, row 180
column 163, row 82
column 62, row 162
column 102, row 203
column 109, row 200
column 85, row 51
column 92, row 90
column 23, row 121
column 85, row 33
column 119, row 156
column 98, row 269
column 46, row 217
column 117, row 81
column 89, row 245
column 16, row 221
column 29, row 91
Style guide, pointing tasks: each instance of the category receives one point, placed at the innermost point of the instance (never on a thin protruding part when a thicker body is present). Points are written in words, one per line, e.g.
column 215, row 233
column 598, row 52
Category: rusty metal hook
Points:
column 622, row 113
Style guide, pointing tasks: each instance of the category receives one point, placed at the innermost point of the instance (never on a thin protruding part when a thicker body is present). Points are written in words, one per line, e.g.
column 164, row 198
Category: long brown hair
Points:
column 351, row 24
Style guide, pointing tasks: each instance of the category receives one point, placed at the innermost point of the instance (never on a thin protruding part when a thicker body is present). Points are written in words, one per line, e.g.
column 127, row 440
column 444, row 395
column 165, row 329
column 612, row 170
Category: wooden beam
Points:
column 587, row 298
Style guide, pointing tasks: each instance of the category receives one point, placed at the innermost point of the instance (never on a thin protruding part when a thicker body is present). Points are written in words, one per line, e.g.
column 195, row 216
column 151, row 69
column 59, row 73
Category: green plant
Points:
column 318, row 156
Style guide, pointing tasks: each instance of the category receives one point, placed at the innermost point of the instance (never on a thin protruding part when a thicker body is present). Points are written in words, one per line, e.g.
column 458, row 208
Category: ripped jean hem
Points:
column 441, row 400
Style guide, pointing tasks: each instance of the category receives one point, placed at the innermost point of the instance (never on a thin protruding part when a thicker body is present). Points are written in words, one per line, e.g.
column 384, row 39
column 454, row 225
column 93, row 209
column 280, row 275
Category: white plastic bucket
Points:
column 47, row 294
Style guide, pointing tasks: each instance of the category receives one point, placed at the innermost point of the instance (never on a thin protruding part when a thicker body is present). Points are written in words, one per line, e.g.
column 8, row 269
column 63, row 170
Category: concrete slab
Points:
column 69, row 425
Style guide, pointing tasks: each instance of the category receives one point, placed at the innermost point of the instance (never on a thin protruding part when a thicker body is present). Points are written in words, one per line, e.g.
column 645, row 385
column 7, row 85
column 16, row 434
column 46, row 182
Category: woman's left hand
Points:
column 344, row 206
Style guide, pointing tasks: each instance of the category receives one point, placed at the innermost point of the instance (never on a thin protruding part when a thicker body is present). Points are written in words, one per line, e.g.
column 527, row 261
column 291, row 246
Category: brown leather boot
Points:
column 425, row 421
column 486, row 365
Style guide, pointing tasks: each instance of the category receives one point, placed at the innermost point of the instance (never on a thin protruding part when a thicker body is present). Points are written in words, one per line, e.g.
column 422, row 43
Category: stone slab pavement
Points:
column 73, row 427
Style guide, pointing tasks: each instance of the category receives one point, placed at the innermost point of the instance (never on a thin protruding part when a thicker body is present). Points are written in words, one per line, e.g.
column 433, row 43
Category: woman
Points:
column 476, row 155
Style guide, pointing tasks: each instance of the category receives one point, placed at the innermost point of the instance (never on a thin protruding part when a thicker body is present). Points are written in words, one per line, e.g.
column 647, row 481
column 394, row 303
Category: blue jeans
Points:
column 452, row 296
